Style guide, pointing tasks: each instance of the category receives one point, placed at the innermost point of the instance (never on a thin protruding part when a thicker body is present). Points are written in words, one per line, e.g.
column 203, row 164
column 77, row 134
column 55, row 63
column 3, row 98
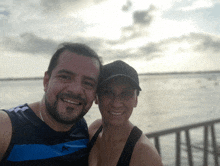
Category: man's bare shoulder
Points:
column 145, row 153
column 94, row 127
column 5, row 132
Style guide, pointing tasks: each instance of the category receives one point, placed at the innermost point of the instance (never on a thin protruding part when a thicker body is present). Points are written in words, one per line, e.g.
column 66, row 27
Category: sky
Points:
column 152, row 36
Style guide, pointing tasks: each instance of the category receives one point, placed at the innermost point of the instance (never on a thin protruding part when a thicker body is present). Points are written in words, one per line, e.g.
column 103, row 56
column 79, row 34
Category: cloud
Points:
column 150, row 50
column 57, row 5
column 4, row 13
column 199, row 4
column 142, row 18
column 207, row 43
column 97, row 44
column 188, row 45
column 29, row 43
column 112, row 50
column 127, row 6
column 67, row 5
column 33, row 44
column 197, row 42
column 4, row 17
column 141, row 21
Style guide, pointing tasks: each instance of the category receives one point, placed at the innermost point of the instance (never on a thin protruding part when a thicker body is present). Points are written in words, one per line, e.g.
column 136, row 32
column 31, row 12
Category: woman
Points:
column 114, row 139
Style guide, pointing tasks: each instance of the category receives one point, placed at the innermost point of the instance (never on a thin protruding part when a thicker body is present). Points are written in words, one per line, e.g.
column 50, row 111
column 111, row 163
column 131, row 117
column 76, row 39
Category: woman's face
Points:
column 116, row 101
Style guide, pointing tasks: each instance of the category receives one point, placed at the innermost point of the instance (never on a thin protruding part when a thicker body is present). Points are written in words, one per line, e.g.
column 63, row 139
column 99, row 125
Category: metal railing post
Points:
column 205, row 157
column 178, row 149
column 157, row 144
column 214, row 145
column 188, row 142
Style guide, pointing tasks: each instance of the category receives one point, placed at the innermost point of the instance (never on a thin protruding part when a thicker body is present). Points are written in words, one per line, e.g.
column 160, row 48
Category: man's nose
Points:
column 75, row 87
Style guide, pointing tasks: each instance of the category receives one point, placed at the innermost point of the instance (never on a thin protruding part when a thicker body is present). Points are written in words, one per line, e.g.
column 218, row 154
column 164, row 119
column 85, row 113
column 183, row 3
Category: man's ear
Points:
column 46, row 81
column 96, row 99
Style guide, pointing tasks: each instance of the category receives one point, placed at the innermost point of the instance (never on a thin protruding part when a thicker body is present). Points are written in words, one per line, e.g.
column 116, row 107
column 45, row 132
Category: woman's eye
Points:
column 127, row 95
column 107, row 93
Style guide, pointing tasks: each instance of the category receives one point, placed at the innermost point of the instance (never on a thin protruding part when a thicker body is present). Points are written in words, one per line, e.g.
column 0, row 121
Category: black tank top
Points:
column 125, row 157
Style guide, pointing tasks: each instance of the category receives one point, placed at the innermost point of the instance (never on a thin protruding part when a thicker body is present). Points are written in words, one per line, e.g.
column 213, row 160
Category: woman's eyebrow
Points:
column 129, row 88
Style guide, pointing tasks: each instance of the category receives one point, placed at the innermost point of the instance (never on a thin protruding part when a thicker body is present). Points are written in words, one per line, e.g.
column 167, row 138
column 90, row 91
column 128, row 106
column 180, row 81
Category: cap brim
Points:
column 134, row 83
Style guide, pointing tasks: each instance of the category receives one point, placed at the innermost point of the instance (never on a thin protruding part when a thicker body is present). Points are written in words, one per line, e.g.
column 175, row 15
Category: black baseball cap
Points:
column 118, row 69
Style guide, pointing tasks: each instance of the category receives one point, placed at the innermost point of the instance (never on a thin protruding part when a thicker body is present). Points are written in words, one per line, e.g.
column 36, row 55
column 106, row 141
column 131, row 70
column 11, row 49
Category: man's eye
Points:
column 89, row 85
column 64, row 77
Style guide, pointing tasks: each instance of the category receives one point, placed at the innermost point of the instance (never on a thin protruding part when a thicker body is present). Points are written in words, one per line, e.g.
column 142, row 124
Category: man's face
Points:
column 70, row 91
column 116, row 101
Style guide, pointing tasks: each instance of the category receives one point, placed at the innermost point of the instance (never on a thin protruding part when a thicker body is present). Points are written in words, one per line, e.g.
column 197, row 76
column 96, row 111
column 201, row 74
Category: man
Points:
column 114, row 139
column 52, row 131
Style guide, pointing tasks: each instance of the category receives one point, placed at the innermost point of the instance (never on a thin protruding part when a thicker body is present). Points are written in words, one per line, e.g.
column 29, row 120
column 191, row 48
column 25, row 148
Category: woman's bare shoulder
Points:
column 94, row 127
column 145, row 153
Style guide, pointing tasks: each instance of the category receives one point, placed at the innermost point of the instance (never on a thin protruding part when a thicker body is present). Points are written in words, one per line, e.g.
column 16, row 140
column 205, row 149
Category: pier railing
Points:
column 208, row 126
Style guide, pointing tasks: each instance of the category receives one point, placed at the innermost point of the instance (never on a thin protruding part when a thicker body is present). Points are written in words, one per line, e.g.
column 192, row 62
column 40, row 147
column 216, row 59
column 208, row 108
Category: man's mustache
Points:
column 72, row 96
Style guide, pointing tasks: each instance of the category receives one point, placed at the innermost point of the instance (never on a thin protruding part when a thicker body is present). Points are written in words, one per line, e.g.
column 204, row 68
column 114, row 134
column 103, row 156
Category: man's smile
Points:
column 72, row 101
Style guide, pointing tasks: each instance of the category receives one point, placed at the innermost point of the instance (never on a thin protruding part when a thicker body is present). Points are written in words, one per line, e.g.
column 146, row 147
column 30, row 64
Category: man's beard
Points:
column 51, row 108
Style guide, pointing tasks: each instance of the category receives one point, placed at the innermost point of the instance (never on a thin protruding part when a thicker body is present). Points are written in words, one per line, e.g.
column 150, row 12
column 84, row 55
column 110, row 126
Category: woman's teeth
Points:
column 115, row 113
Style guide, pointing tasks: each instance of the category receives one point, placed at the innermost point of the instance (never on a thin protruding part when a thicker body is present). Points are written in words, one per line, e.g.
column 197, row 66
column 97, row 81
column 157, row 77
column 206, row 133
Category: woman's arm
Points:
column 145, row 154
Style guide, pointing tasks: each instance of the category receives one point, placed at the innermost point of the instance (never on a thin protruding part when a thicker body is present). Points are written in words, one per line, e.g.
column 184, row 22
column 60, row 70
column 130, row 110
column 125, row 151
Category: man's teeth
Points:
column 72, row 102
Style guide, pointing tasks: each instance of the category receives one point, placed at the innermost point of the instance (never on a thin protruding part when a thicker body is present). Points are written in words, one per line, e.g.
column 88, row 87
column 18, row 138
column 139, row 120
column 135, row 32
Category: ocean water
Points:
column 166, row 101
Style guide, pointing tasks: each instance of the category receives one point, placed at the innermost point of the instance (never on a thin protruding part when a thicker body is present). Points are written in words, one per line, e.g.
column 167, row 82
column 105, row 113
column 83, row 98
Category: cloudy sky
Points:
column 150, row 35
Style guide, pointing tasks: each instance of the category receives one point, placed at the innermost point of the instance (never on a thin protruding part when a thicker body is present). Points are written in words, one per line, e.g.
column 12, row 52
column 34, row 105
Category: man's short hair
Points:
column 78, row 48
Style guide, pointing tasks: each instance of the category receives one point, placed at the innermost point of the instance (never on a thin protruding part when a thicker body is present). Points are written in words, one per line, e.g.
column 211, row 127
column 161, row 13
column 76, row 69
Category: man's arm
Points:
column 5, row 133
column 145, row 154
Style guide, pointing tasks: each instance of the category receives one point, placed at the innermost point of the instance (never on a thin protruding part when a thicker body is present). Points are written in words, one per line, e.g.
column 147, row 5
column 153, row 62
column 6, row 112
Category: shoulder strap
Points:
column 125, row 157
column 94, row 138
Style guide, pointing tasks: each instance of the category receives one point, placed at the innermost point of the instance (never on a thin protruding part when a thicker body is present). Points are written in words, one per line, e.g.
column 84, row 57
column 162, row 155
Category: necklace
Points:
column 41, row 116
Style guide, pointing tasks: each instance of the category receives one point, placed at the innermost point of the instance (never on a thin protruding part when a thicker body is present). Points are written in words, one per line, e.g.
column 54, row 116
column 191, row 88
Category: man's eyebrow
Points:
column 65, row 71
column 91, row 79
column 72, row 73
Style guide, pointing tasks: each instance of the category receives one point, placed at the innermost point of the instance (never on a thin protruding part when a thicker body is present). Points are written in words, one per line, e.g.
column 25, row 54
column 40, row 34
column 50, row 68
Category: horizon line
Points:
column 150, row 73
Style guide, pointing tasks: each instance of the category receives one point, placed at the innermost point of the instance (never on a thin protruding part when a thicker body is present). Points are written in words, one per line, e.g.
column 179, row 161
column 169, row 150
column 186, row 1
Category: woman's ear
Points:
column 136, row 99
column 96, row 99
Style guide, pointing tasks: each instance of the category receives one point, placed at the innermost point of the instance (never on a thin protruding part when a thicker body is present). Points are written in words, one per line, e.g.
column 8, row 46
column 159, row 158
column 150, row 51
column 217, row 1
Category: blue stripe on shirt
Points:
column 40, row 151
